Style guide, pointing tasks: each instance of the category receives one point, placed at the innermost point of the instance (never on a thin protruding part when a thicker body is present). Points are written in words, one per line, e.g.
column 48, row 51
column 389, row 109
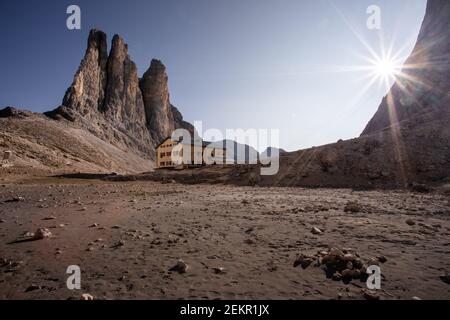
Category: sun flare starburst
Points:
column 385, row 68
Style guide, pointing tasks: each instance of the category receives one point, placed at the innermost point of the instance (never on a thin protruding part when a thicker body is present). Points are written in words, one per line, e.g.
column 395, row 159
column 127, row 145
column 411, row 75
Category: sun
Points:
column 385, row 68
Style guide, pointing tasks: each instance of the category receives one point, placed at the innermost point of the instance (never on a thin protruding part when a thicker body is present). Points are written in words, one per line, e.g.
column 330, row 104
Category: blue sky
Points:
column 231, row 63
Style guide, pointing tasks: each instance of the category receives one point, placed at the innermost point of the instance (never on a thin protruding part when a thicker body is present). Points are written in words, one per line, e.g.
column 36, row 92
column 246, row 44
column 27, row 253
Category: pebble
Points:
column 33, row 287
column 373, row 262
column 303, row 261
column 121, row 243
column 219, row 270
column 445, row 279
column 180, row 267
column 42, row 233
column 353, row 207
column 86, row 296
column 347, row 274
column 337, row 276
column 370, row 295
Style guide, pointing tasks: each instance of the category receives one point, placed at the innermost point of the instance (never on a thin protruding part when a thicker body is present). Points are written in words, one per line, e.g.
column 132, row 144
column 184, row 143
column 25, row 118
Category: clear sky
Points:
column 283, row 64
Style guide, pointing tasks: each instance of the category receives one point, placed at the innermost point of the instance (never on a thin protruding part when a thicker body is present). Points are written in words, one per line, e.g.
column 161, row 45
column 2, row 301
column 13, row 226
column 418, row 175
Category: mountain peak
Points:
column 118, row 44
column 96, row 37
column 156, row 63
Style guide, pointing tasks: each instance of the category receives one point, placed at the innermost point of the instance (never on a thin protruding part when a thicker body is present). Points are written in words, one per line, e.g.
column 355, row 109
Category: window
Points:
column 163, row 164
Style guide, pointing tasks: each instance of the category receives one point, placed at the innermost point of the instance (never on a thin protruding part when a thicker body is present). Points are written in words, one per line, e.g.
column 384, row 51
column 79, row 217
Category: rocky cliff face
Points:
column 155, row 90
column 88, row 88
column 161, row 116
column 423, row 86
column 123, row 100
column 108, row 99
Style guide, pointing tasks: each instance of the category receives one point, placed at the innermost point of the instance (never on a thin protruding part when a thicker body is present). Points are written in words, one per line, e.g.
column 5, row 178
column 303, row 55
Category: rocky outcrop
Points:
column 11, row 112
column 155, row 90
column 123, row 106
column 423, row 85
column 123, row 100
column 415, row 151
column 107, row 99
column 162, row 117
column 88, row 88
column 179, row 121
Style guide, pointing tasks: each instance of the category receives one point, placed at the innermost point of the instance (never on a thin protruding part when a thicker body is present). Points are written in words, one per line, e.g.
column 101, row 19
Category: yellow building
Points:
column 171, row 154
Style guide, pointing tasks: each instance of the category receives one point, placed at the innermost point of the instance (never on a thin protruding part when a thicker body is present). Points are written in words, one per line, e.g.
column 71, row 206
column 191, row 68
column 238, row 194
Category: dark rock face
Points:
column 155, row 90
column 107, row 99
column 123, row 105
column 179, row 121
column 162, row 117
column 123, row 99
column 424, row 86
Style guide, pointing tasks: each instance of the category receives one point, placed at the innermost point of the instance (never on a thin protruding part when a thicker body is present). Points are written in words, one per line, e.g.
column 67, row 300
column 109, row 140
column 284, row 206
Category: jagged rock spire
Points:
column 88, row 88
column 107, row 98
column 155, row 90
column 123, row 98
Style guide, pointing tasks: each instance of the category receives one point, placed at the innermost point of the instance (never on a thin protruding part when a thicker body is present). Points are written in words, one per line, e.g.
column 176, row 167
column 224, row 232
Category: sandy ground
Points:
column 126, row 236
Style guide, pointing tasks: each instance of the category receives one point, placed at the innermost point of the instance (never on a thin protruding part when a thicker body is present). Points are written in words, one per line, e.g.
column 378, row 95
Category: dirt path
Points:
column 126, row 236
